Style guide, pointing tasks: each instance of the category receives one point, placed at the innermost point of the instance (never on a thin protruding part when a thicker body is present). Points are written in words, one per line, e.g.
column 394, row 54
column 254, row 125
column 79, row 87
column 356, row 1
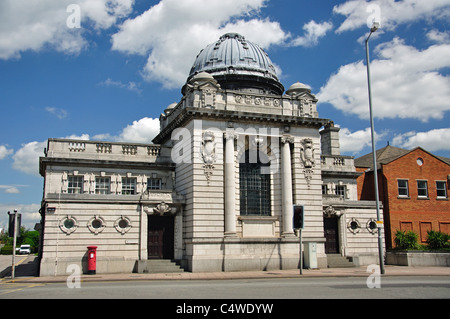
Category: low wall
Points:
column 418, row 258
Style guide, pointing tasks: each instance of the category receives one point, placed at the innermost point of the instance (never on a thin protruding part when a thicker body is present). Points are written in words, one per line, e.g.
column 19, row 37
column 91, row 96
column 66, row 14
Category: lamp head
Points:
column 375, row 26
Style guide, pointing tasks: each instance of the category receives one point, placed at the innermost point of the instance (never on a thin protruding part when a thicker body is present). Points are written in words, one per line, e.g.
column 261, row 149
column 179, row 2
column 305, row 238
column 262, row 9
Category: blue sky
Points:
column 110, row 78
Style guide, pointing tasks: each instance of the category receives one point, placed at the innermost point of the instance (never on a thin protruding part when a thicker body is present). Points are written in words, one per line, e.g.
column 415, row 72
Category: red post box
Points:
column 92, row 260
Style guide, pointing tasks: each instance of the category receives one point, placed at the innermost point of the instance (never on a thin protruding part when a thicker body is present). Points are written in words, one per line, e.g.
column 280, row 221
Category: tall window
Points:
column 422, row 188
column 75, row 185
column 254, row 187
column 441, row 189
column 128, row 186
column 102, row 185
column 154, row 183
column 403, row 188
column 340, row 190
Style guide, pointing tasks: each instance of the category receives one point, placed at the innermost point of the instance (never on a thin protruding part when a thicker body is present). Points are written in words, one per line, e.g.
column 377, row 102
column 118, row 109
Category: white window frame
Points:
column 445, row 189
column 102, row 185
column 407, row 188
column 129, row 185
column 75, row 184
column 426, row 188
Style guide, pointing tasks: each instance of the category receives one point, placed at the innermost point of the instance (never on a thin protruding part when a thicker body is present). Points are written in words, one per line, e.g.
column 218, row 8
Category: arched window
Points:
column 254, row 184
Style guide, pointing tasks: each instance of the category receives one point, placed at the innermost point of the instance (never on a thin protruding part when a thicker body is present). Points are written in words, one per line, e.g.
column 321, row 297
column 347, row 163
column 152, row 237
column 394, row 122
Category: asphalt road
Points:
column 392, row 287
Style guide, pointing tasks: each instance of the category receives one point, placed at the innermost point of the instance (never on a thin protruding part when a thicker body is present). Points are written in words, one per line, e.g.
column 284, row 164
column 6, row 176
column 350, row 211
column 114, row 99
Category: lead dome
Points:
column 238, row 64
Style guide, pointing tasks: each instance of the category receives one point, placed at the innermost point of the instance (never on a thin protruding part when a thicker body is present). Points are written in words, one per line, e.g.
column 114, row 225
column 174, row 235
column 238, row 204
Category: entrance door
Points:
column 331, row 235
column 160, row 237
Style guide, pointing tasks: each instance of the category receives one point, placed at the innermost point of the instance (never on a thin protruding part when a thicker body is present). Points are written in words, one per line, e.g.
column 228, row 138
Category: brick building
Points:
column 413, row 187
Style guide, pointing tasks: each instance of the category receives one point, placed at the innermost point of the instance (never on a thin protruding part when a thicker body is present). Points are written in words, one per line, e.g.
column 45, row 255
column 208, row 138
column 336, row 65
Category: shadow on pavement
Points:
column 28, row 268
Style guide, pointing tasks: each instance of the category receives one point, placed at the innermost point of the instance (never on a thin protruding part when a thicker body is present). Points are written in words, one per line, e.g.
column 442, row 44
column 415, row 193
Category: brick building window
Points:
column 422, row 188
column 75, row 185
column 403, row 190
column 441, row 189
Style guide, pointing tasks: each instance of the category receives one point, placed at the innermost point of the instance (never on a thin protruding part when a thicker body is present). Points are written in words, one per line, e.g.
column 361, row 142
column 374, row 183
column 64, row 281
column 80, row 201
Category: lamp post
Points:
column 374, row 28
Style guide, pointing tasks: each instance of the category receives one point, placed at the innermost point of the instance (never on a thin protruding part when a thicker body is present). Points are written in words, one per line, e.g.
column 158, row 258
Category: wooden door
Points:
column 331, row 235
column 160, row 243
column 155, row 244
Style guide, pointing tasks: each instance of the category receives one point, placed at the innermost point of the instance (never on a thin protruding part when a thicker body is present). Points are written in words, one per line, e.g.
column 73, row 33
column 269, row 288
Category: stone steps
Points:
column 338, row 261
column 155, row 266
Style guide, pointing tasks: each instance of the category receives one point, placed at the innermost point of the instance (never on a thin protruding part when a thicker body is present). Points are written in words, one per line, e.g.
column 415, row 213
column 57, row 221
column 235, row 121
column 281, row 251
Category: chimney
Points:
column 329, row 139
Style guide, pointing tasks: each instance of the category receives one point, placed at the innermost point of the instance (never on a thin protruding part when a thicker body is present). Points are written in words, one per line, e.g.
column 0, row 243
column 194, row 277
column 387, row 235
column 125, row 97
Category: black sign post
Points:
column 298, row 222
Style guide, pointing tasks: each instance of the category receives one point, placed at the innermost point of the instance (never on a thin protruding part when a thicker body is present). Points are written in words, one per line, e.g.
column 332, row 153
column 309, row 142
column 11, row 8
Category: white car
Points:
column 24, row 249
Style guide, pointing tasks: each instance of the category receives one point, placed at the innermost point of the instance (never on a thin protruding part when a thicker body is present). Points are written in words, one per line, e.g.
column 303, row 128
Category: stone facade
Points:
column 230, row 161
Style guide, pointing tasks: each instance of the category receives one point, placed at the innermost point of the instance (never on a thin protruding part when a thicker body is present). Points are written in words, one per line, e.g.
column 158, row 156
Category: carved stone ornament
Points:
column 307, row 158
column 330, row 212
column 208, row 154
column 162, row 209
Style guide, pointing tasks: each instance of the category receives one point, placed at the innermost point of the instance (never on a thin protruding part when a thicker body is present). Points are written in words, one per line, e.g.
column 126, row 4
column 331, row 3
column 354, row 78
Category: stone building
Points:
column 215, row 192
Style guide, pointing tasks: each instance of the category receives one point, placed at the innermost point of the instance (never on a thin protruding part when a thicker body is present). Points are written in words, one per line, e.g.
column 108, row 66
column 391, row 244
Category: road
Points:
column 391, row 287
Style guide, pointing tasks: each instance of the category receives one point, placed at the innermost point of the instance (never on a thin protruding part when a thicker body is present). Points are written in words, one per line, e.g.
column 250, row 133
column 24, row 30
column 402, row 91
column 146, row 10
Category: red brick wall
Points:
column 411, row 213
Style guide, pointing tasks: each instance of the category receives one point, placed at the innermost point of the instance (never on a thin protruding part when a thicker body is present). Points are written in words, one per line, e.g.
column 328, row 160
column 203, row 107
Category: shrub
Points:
column 6, row 250
column 406, row 240
column 437, row 240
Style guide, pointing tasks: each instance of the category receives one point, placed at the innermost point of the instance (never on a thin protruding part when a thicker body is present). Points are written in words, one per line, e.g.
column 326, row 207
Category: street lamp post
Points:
column 374, row 28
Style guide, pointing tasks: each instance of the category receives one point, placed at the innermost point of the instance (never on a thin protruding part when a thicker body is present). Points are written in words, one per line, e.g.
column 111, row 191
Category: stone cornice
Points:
column 192, row 113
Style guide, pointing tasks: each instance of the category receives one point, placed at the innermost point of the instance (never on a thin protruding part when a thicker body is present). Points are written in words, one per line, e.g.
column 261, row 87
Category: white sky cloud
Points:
column 313, row 32
column 391, row 13
column 30, row 214
column 172, row 30
column 130, row 86
column 34, row 24
column 5, row 151
column 9, row 189
column 355, row 142
column 433, row 140
column 26, row 159
column 404, row 80
column 59, row 113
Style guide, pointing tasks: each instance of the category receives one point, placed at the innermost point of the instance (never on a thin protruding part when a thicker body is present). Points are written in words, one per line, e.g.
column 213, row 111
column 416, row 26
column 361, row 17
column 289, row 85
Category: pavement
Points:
column 26, row 271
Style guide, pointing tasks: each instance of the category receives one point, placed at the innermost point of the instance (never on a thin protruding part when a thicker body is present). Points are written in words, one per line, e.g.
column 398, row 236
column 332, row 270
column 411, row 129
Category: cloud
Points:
column 313, row 32
column 30, row 214
column 35, row 24
column 391, row 12
column 9, row 189
column 140, row 131
column 433, row 140
column 5, row 151
column 26, row 159
column 439, row 37
column 130, row 86
column 172, row 30
column 355, row 142
column 59, row 113
column 406, row 83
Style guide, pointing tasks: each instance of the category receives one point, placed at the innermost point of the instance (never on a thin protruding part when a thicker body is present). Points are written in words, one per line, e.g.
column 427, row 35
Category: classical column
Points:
column 230, row 185
column 286, row 185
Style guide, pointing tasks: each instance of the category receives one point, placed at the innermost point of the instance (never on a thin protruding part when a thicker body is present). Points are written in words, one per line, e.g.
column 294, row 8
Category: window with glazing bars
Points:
column 254, row 189
column 128, row 186
column 102, row 185
column 75, row 185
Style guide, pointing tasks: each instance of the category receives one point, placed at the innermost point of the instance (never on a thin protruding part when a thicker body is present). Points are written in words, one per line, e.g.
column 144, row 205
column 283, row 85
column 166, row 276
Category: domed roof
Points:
column 232, row 57
column 298, row 88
